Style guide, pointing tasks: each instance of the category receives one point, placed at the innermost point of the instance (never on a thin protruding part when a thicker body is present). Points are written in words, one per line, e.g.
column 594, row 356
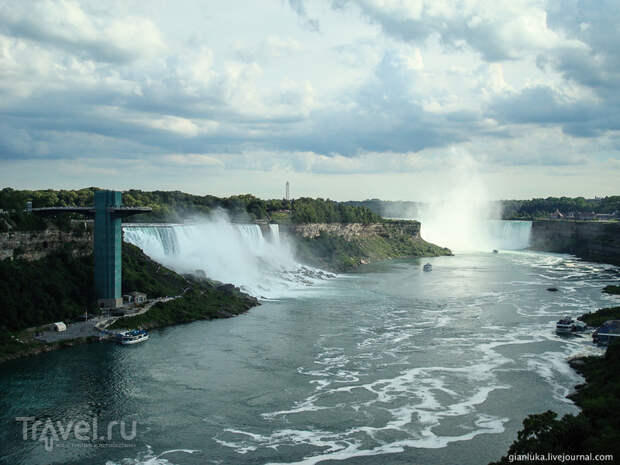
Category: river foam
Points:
column 424, row 407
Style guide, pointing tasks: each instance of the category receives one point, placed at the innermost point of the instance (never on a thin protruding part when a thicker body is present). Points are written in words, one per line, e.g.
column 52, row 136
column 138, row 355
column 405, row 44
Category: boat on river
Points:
column 133, row 336
column 428, row 267
column 568, row 326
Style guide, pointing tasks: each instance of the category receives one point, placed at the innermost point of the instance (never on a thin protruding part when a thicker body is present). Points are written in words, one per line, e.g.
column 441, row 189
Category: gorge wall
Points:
column 590, row 240
column 350, row 231
column 34, row 245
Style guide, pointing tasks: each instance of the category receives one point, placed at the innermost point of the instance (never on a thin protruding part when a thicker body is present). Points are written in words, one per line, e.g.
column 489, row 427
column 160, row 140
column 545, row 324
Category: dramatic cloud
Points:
column 331, row 88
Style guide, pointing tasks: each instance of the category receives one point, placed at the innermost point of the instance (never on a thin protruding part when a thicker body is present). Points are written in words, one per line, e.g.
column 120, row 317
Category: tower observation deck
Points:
column 108, row 212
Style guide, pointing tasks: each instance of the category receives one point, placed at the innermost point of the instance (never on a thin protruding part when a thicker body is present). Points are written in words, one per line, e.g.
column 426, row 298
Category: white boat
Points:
column 133, row 336
column 428, row 267
column 567, row 325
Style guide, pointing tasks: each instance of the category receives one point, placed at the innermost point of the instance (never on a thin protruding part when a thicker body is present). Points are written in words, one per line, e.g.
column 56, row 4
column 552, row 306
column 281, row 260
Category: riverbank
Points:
column 201, row 303
column 63, row 291
column 342, row 247
column 596, row 429
column 15, row 345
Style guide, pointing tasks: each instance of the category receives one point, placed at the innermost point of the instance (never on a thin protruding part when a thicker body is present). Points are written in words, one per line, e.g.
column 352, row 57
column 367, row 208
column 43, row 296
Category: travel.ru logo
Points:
column 57, row 433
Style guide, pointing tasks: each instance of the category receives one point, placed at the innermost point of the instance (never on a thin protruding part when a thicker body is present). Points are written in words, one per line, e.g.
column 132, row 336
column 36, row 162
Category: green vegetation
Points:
column 330, row 251
column 60, row 286
column 57, row 287
column 175, row 205
column 305, row 210
column 201, row 302
column 536, row 208
column 338, row 253
column 611, row 289
column 601, row 316
column 596, row 429
column 140, row 273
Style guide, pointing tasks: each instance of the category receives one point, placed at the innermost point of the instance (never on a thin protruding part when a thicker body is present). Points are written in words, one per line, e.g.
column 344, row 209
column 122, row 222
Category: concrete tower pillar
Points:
column 108, row 248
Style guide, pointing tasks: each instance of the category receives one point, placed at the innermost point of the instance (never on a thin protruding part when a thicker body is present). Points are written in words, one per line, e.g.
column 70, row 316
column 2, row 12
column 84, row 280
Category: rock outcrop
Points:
column 355, row 230
column 344, row 246
column 34, row 245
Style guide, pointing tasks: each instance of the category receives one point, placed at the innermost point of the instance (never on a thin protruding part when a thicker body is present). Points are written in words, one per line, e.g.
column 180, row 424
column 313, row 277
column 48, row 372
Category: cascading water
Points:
column 508, row 235
column 230, row 253
column 275, row 232
column 484, row 235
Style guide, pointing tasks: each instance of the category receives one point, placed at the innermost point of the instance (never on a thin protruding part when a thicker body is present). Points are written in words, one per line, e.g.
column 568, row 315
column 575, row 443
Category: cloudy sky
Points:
column 346, row 99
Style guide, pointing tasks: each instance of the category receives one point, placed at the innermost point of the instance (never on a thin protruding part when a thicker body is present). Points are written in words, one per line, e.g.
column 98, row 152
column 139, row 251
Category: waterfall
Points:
column 226, row 252
column 484, row 235
column 509, row 235
column 275, row 232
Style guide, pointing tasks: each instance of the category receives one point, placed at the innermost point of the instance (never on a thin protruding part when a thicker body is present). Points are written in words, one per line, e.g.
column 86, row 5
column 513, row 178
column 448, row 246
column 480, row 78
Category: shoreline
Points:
column 239, row 302
column 582, row 433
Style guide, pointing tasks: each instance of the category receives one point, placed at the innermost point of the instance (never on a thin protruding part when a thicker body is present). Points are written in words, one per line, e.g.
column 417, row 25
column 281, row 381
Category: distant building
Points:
column 606, row 216
column 609, row 331
column 586, row 216
column 59, row 326
column 288, row 191
column 134, row 297
column 556, row 215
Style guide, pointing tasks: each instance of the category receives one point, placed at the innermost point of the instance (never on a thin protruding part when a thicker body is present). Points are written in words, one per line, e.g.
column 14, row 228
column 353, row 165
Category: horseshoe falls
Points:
column 483, row 235
column 261, row 265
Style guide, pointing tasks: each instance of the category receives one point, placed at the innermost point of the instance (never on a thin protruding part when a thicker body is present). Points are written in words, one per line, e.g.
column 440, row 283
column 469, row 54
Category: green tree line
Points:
column 175, row 205
column 543, row 207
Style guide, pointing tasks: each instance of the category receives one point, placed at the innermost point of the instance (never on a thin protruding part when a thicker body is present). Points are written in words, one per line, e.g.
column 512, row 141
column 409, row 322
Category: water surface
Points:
column 387, row 365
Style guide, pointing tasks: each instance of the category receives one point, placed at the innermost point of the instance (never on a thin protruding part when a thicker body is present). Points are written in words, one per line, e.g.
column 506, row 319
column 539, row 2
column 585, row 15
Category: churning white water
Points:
column 226, row 252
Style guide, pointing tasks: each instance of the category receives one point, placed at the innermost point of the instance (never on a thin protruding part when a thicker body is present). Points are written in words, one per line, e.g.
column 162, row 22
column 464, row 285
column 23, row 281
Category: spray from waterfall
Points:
column 262, row 265
column 462, row 217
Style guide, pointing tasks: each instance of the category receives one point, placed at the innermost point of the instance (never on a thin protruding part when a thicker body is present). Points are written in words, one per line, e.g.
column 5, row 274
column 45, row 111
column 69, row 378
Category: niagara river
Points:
column 387, row 364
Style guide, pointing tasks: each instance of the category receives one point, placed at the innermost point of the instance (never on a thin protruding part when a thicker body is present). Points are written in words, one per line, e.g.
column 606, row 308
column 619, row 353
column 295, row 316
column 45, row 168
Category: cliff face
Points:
column 342, row 247
column 596, row 241
column 355, row 230
column 34, row 245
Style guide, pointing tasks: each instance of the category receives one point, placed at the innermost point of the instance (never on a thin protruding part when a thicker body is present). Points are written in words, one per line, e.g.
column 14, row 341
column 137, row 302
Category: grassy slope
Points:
column 596, row 429
column 59, row 287
column 339, row 254
column 200, row 303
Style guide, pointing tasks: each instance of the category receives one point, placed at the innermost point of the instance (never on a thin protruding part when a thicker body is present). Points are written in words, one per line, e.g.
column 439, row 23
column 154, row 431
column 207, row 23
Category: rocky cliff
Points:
column 343, row 246
column 350, row 231
column 34, row 245
column 590, row 240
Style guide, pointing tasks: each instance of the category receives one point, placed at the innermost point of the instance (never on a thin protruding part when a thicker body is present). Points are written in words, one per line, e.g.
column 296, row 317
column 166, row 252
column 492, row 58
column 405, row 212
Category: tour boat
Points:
column 133, row 336
column 428, row 267
column 568, row 325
